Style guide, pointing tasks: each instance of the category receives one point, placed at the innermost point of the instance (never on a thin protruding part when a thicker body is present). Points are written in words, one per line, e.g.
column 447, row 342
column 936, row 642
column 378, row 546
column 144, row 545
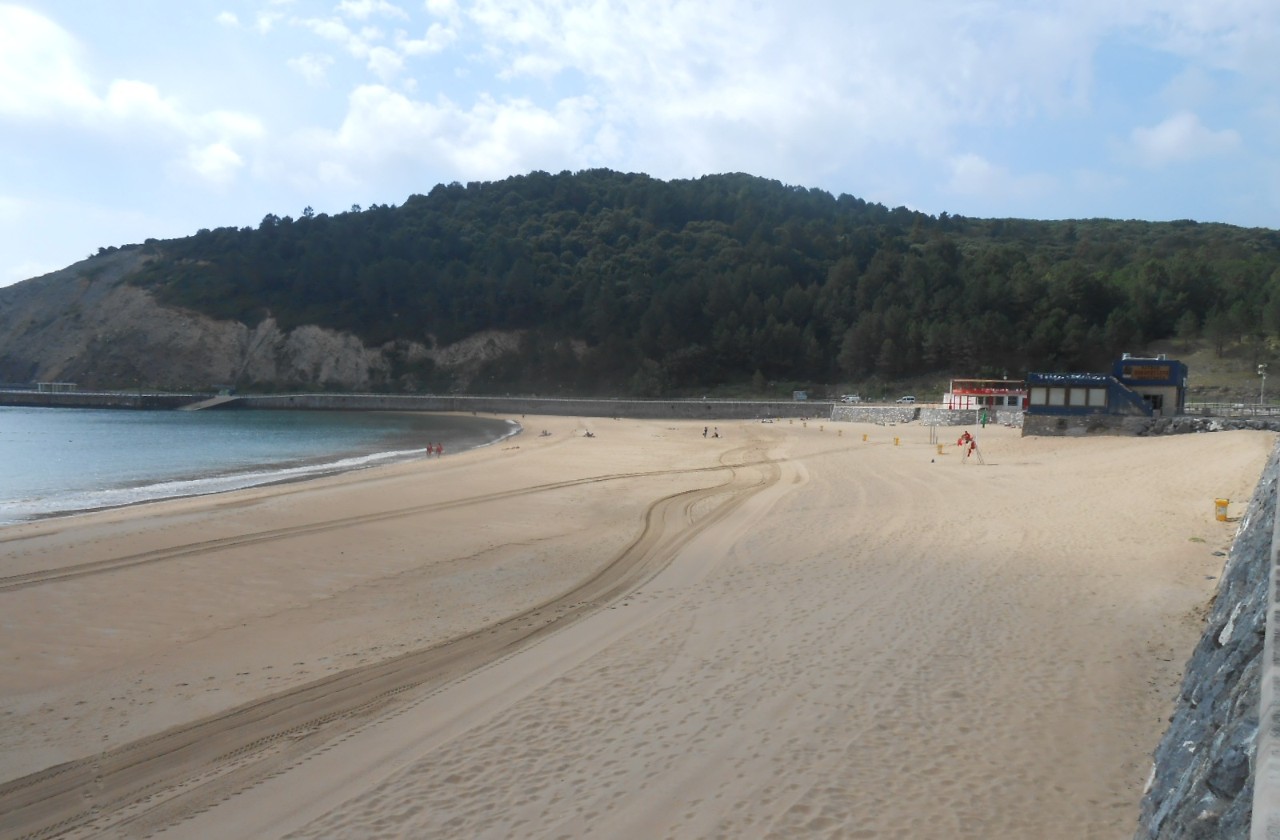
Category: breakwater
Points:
column 507, row 406
column 96, row 399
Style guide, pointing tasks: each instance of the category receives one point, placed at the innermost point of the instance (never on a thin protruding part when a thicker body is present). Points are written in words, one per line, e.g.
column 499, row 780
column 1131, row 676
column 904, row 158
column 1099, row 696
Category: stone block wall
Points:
column 1202, row 778
column 640, row 409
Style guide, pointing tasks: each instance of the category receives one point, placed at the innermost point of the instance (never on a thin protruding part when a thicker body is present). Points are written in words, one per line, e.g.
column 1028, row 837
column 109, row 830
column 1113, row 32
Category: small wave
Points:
column 23, row 510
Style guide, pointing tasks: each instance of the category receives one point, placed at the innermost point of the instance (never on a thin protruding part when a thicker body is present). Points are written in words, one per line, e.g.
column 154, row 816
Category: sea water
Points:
column 57, row 461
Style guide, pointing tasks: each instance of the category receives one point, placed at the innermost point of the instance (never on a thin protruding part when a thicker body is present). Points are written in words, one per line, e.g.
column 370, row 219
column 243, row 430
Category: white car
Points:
column 907, row 399
column 851, row 398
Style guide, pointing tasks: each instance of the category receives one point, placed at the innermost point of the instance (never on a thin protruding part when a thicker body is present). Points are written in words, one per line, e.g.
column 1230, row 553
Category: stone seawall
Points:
column 710, row 410
column 85, row 399
column 1202, row 784
column 927, row 415
column 638, row 409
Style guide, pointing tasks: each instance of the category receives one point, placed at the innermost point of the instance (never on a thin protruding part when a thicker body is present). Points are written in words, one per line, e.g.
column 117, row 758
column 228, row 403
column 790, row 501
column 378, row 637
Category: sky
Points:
column 135, row 119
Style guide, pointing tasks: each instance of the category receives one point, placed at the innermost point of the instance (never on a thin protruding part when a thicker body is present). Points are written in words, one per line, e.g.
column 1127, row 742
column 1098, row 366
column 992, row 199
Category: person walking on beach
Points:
column 704, row 431
column 439, row 449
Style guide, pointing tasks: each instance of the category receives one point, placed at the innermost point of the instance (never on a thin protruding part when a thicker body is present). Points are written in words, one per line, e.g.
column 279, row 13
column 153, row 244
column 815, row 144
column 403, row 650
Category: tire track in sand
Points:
column 63, row 573
column 165, row 773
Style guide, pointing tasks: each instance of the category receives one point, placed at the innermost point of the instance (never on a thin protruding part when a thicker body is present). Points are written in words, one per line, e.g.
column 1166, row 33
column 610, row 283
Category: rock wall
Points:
column 1110, row 424
column 86, row 324
column 1202, row 784
column 875, row 413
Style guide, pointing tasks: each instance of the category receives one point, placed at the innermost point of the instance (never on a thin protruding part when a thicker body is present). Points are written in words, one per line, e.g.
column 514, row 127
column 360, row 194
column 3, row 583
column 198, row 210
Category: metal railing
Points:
column 1233, row 409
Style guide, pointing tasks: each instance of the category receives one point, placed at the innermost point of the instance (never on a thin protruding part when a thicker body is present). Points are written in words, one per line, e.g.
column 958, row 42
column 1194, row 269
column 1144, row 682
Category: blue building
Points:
column 1137, row 387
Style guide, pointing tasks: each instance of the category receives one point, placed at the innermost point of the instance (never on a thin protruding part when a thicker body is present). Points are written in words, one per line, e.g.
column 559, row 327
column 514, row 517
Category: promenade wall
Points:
column 88, row 399
column 638, row 409
column 710, row 410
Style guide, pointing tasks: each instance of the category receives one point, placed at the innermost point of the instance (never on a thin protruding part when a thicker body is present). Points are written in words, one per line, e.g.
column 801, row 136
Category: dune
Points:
column 796, row 629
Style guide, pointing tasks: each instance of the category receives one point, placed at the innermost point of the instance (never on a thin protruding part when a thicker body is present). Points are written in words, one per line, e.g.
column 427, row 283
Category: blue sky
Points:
column 121, row 121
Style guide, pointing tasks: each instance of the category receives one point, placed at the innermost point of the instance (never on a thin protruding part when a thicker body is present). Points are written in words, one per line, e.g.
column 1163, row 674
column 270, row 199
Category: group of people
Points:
column 716, row 433
column 436, row 449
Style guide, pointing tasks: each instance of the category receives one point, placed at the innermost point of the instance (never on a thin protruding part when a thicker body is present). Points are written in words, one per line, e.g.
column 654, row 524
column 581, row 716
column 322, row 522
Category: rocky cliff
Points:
column 86, row 324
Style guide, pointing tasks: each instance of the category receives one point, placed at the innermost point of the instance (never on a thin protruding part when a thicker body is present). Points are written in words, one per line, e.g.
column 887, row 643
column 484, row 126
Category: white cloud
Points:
column 227, row 19
column 973, row 176
column 1239, row 36
column 40, row 73
column 267, row 20
column 216, row 163
column 385, row 62
column 1190, row 88
column 436, row 39
column 227, row 125
column 311, row 67
column 357, row 44
column 447, row 9
column 1180, row 138
column 724, row 84
column 491, row 139
column 130, row 103
column 364, row 9
column 41, row 79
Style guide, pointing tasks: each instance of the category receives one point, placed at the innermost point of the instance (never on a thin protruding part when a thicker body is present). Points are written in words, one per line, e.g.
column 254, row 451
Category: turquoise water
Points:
column 55, row 461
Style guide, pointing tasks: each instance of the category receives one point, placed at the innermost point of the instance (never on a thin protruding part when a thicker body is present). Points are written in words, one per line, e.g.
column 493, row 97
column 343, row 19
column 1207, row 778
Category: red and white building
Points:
column 985, row 393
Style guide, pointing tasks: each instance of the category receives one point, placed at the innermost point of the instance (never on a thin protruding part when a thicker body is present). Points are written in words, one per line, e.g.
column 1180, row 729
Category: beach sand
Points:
column 786, row 631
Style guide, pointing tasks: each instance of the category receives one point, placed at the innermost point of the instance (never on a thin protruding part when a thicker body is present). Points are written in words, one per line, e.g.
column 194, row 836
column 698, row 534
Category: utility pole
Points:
column 1262, row 391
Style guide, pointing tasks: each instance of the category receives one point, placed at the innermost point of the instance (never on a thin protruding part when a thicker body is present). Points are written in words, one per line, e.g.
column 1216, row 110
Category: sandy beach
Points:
column 796, row 629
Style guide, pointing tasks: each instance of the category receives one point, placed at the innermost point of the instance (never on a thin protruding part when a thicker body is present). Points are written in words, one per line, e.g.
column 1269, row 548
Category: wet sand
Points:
column 787, row 631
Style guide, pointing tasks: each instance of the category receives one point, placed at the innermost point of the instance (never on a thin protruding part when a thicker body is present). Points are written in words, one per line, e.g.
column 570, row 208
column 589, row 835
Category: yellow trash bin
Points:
column 1220, row 509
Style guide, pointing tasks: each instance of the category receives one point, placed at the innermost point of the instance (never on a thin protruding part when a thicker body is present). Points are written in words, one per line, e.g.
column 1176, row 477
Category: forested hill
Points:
column 625, row 284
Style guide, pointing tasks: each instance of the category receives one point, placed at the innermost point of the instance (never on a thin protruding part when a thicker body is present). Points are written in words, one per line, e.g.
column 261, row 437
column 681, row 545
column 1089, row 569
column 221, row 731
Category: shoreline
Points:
column 806, row 633
column 208, row 483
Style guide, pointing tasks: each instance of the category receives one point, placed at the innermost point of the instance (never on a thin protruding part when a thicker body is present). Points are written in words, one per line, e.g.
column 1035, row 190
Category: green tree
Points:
column 1187, row 329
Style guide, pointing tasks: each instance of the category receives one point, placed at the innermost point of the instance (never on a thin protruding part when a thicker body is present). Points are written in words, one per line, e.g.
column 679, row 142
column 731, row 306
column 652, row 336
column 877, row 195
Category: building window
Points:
column 1039, row 396
column 1079, row 397
column 1057, row 396
column 1098, row 397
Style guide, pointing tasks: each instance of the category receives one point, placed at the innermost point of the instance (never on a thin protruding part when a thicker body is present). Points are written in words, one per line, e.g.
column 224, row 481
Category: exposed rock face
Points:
column 86, row 325
column 1201, row 785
